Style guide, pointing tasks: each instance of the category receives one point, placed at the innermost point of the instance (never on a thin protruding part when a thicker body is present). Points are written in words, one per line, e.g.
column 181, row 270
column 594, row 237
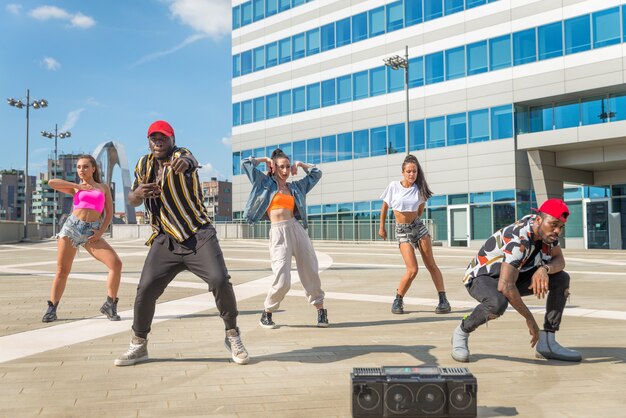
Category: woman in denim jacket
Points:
column 284, row 203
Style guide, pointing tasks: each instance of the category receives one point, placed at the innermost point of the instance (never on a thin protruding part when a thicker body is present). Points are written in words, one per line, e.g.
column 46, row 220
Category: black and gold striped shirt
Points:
column 178, row 211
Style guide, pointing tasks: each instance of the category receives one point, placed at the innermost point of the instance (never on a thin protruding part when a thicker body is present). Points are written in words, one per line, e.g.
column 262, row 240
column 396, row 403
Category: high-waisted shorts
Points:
column 78, row 231
column 411, row 233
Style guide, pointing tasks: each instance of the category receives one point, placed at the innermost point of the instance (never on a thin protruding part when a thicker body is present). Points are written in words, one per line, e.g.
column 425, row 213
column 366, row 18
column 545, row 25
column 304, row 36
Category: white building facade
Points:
column 510, row 102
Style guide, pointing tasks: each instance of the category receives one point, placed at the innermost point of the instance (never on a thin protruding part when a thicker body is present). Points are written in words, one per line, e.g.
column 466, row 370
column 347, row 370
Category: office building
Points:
column 218, row 199
column 12, row 195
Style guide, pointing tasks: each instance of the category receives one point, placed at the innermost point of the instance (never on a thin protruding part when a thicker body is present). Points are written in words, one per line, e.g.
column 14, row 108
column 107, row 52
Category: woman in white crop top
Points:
column 407, row 198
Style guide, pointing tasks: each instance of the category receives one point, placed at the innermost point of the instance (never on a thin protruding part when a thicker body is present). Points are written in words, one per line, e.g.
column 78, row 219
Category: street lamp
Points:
column 396, row 62
column 55, row 135
column 36, row 104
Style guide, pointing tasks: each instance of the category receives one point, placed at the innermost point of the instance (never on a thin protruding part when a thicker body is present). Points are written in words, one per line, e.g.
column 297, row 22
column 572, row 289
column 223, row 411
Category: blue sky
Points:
column 110, row 68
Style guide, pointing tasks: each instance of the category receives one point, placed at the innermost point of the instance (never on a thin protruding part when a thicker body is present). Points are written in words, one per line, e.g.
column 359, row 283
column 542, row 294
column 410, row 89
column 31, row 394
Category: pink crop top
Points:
column 89, row 199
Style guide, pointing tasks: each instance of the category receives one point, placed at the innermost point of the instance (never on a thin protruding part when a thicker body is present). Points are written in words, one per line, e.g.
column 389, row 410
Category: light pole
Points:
column 396, row 62
column 55, row 135
column 36, row 104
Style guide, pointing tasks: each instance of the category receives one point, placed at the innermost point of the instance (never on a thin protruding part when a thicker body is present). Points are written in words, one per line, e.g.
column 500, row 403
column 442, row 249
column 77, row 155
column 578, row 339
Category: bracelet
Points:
column 547, row 267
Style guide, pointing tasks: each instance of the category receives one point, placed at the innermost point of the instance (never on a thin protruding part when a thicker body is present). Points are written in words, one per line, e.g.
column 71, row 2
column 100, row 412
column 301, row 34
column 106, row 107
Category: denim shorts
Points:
column 411, row 233
column 78, row 231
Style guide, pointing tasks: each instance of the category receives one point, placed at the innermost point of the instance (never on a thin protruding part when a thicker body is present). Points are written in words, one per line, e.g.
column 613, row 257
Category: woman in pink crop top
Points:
column 91, row 216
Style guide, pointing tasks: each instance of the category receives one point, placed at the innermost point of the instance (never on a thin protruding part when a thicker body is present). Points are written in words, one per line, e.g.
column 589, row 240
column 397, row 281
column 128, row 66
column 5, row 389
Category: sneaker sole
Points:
column 322, row 325
column 443, row 311
column 267, row 326
column 236, row 359
column 460, row 359
column 130, row 362
column 111, row 318
column 49, row 319
column 397, row 312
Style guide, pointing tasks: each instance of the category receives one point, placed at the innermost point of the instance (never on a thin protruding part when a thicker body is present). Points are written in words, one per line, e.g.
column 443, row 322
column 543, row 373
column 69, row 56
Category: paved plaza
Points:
column 65, row 368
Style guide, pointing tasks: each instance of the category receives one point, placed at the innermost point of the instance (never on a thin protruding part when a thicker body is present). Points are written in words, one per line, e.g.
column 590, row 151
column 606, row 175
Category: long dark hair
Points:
column 96, row 174
column 420, row 180
column 276, row 154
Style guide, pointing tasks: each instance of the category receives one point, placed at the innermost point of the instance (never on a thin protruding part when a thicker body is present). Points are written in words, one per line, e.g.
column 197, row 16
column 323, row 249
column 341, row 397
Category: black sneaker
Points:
column 51, row 313
column 266, row 320
column 443, row 307
column 398, row 305
column 322, row 318
column 110, row 309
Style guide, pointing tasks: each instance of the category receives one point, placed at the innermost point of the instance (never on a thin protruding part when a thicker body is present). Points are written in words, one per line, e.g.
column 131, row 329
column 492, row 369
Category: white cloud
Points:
column 14, row 8
column 71, row 119
column 211, row 17
column 51, row 64
column 92, row 101
column 151, row 57
column 206, row 171
column 227, row 141
column 77, row 20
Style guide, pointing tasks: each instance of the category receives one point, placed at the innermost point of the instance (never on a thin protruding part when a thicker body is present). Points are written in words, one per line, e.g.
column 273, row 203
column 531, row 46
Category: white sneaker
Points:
column 548, row 348
column 137, row 352
column 235, row 346
column 460, row 349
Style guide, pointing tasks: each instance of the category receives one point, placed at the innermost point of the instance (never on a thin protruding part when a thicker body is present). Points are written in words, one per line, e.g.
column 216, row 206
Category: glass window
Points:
column 416, row 135
column 246, row 112
column 344, row 89
column 541, row 118
column 503, row 215
column 344, row 146
column 313, row 42
column 284, row 5
column 246, row 153
column 455, row 63
column 236, row 114
column 259, row 58
column 360, row 85
column 359, row 27
column 269, row 149
column 522, row 119
column 606, row 29
column 617, row 105
column 271, row 106
column 480, row 197
column 478, row 121
column 453, row 6
column 456, row 128
column 378, row 141
column 259, row 109
column 441, row 200
column 295, row 3
column 577, row 34
column 343, row 32
column 328, row 92
column 566, row 115
column 271, row 7
column 284, row 50
column 236, row 163
column 376, row 21
column 246, row 13
column 284, row 103
column 328, row 36
column 258, row 7
column 396, row 139
column 594, row 110
column 501, row 122
column 434, row 68
column 236, row 17
column 329, row 149
column 618, row 190
column 236, row 65
column 503, row 195
column 481, row 222
column 298, row 97
column 246, row 62
column 432, row 9
column 436, row 132
column 499, row 52
column 313, row 151
column 524, row 47
column 313, row 96
column 271, row 54
column 412, row 12
column 361, row 143
column 298, row 46
column 378, row 81
column 395, row 79
column 596, row 192
column 457, row 199
column 440, row 220
column 416, row 72
column 299, row 151
column 573, row 193
column 477, row 58
column 574, row 228
column 550, row 40
column 286, row 149
column 394, row 16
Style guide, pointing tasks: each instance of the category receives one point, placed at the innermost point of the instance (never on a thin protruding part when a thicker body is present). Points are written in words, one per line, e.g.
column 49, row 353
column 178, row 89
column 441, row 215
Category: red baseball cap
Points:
column 555, row 208
column 162, row 127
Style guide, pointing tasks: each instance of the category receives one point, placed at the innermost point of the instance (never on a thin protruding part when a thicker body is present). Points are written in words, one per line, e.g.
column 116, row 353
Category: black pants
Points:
column 493, row 303
column 201, row 254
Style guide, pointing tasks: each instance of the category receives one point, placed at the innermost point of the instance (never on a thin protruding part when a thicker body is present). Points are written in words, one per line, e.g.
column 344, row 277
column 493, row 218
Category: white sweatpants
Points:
column 289, row 239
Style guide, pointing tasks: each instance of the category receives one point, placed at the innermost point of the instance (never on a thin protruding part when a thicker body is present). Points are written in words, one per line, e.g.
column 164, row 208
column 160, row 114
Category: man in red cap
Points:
column 519, row 260
column 167, row 183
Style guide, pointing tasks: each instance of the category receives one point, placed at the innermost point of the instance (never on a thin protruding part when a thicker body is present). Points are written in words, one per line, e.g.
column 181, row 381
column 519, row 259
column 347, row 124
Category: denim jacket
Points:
column 265, row 187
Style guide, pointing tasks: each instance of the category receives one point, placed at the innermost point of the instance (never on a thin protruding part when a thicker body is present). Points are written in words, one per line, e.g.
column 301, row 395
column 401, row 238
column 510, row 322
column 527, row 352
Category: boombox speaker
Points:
column 420, row 391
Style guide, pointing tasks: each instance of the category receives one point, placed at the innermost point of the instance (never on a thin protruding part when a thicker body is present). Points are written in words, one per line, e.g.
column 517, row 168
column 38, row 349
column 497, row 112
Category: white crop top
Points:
column 401, row 199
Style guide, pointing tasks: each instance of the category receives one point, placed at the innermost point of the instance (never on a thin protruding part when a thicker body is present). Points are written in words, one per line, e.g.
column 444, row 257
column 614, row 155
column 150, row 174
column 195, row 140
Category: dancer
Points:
column 283, row 202
column 90, row 218
column 407, row 198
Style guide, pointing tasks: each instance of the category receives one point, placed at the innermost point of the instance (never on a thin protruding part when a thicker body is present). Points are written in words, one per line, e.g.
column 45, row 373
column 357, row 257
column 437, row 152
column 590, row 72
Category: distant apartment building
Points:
column 218, row 199
column 12, row 195
column 44, row 196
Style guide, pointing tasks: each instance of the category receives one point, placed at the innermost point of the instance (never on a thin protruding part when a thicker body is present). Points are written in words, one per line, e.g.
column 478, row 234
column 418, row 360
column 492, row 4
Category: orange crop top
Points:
column 282, row 201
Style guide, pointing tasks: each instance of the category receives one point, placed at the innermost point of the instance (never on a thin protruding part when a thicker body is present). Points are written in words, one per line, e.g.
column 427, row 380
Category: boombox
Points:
column 421, row 391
